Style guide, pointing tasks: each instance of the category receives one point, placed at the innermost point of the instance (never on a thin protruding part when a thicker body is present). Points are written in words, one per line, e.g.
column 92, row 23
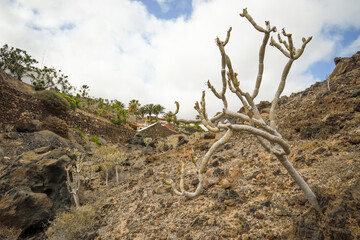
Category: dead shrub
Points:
column 54, row 103
column 78, row 223
column 9, row 233
column 56, row 125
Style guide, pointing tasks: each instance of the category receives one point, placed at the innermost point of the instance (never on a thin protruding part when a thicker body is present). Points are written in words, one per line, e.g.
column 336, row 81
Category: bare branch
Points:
column 266, row 32
column 267, row 134
column 274, row 104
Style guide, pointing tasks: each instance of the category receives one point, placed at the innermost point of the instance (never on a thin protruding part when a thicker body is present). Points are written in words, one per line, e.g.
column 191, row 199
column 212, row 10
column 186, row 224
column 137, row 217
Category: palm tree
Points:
column 150, row 109
column 142, row 111
column 158, row 109
column 133, row 106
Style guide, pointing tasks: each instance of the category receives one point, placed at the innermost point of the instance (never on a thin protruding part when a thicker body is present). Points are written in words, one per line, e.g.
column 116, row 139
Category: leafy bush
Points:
column 16, row 61
column 95, row 139
column 79, row 223
column 74, row 103
column 50, row 78
column 56, row 125
column 121, row 117
column 55, row 103
column 81, row 132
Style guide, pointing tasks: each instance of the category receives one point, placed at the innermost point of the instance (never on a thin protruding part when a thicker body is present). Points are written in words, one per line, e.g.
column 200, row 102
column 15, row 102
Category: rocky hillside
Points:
column 248, row 194
column 21, row 109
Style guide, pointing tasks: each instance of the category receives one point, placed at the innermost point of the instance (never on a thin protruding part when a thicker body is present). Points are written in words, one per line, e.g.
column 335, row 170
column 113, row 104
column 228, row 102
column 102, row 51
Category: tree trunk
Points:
column 300, row 181
column 107, row 177
column 76, row 199
column 117, row 174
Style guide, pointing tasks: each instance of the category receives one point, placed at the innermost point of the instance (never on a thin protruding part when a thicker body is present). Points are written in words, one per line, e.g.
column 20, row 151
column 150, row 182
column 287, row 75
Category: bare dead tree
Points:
column 253, row 123
column 73, row 184
column 118, row 158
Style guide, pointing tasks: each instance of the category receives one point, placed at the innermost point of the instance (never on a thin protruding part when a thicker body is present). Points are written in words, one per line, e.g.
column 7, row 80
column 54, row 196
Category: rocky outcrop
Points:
column 340, row 219
column 33, row 189
column 320, row 112
column 15, row 143
column 21, row 208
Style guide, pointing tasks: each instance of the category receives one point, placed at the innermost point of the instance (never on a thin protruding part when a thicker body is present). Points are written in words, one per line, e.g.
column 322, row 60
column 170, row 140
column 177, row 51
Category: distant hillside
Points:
column 19, row 107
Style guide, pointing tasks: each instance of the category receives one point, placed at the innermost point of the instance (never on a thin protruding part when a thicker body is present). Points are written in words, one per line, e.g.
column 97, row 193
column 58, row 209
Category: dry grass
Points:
column 76, row 224
column 9, row 233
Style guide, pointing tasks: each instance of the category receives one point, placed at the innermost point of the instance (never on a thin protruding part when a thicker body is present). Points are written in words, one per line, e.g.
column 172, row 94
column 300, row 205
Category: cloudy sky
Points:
column 161, row 51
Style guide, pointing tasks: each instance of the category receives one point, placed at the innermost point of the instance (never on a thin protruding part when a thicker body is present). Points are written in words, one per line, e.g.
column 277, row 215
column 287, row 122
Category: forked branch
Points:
column 254, row 124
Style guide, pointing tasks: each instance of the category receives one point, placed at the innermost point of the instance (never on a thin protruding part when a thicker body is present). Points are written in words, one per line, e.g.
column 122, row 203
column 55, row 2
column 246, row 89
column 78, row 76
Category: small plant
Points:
column 147, row 141
column 84, row 91
column 56, row 125
column 53, row 102
column 193, row 138
column 95, row 139
column 75, row 224
column 106, row 156
column 160, row 145
column 74, row 103
column 118, row 158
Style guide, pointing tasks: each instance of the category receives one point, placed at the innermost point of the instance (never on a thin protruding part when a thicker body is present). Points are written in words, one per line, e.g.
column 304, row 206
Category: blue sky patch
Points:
column 67, row 26
column 35, row 12
column 170, row 9
column 34, row 27
column 322, row 69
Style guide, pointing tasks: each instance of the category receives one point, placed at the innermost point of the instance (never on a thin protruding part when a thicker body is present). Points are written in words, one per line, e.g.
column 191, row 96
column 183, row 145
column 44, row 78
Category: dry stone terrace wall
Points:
column 18, row 106
column 157, row 130
column 99, row 127
column 15, row 105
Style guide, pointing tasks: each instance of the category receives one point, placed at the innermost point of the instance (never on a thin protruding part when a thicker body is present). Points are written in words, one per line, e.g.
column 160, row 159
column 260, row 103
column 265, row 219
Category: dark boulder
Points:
column 40, row 180
column 29, row 126
column 26, row 210
column 138, row 139
column 209, row 135
column 181, row 141
column 339, row 219
column 357, row 107
column 355, row 93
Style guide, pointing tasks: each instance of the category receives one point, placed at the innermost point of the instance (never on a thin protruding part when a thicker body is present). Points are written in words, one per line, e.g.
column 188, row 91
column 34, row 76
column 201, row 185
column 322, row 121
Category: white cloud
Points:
column 121, row 51
column 164, row 4
column 354, row 47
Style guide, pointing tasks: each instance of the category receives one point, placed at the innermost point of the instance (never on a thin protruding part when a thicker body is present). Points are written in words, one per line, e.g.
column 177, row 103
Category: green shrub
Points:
column 81, row 134
column 53, row 102
column 71, row 100
column 95, row 139
column 79, row 223
column 16, row 61
column 121, row 117
column 56, row 125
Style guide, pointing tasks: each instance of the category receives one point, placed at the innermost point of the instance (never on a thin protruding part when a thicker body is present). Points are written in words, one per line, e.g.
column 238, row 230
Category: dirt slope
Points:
column 249, row 195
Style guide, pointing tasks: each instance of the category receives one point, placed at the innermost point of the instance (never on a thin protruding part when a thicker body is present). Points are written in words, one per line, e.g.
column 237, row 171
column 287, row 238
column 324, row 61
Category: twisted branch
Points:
column 267, row 134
